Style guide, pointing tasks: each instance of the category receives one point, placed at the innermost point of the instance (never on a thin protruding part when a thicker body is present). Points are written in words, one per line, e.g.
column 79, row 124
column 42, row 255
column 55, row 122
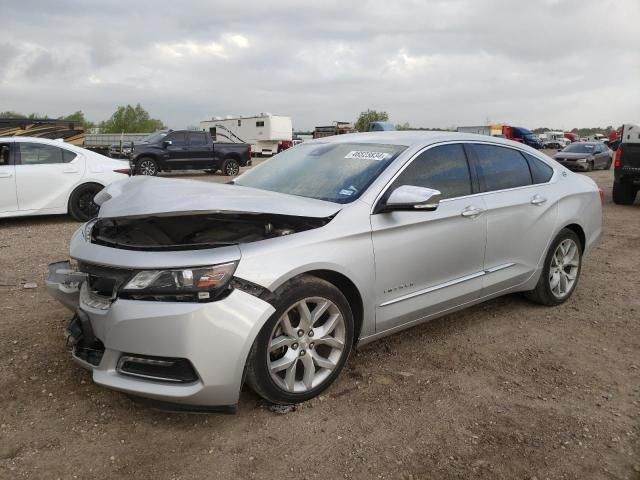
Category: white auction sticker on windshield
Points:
column 364, row 155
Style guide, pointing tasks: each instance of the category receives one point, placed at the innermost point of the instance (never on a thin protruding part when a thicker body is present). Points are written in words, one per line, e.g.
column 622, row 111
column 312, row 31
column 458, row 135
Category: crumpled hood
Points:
column 143, row 196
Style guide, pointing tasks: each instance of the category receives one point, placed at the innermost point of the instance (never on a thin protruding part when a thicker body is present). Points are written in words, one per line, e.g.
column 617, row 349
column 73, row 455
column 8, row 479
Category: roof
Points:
column 412, row 138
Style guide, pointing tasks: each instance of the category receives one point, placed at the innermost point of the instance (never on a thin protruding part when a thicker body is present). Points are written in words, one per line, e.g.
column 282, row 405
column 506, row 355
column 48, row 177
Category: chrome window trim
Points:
column 450, row 283
column 384, row 189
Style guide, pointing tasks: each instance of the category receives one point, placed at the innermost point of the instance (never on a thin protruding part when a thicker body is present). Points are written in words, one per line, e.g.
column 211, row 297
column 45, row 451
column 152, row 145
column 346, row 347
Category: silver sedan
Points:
column 181, row 291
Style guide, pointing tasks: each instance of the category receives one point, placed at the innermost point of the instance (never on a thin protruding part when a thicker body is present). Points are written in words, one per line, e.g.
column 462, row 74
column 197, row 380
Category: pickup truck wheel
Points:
column 624, row 193
column 147, row 166
column 81, row 204
column 231, row 167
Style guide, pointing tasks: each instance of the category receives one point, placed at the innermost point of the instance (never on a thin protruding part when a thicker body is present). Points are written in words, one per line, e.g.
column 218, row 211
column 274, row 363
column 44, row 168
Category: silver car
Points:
column 183, row 290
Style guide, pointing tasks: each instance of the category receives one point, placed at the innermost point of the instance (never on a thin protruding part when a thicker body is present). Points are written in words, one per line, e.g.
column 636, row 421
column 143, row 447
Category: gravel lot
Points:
column 506, row 389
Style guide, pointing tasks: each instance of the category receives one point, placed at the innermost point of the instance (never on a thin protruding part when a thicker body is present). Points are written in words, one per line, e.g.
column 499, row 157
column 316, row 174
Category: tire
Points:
column 230, row 167
column 608, row 166
column 81, row 205
column 280, row 375
column 561, row 270
column 147, row 166
column 624, row 193
column 589, row 166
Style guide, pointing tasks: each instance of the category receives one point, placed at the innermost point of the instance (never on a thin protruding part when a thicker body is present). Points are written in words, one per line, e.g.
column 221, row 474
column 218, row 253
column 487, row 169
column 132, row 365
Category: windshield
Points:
column 335, row 172
column 154, row 137
column 579, row 148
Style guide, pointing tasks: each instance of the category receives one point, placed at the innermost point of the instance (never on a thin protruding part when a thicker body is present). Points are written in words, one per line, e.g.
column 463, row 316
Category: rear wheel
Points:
column 81, row 204
column 608, row 166
column 589, row 166
column 231, row 167
column 303, row 347
column 147, row 166
column 624, row 193
column 560, row 272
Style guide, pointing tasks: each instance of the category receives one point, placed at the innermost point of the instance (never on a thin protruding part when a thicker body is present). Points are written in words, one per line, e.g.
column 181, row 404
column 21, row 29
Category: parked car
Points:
column 585, row 156
column 626, row 168
column 381, row 127
column 185, row 289
column 188, row 150
column 40, row 176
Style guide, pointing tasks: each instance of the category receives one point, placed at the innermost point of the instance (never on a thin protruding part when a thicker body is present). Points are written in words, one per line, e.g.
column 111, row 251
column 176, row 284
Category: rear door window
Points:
column 444, row 168
column 501, row 168
column 197, row 139
column 40, row 154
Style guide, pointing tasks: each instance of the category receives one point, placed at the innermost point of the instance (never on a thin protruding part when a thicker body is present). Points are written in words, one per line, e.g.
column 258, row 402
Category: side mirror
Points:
column 410, row 197
column 167, row 143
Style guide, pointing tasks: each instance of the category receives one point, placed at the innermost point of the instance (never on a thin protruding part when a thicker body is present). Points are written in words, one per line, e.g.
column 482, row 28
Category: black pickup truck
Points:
column 188, row 150
column 626, row 165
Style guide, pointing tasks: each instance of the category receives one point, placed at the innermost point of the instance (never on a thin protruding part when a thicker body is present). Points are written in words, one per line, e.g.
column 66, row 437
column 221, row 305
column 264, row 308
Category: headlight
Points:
column 187, row 284
column 87, row 229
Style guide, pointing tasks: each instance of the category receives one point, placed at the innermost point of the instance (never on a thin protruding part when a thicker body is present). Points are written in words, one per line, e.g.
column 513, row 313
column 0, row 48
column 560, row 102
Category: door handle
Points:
column 538, row 200
column 70, row 170
column 471, row 212
column 5, row 174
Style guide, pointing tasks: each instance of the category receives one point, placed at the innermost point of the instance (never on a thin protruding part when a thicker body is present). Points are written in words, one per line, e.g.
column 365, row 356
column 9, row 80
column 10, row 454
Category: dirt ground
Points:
column 506, row 389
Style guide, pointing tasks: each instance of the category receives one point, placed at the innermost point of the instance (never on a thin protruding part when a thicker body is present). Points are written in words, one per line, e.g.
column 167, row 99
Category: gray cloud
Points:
column 440, row 63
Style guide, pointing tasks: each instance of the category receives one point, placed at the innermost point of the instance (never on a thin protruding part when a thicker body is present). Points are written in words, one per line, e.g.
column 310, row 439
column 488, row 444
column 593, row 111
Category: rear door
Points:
column 8, row 195
column 45, row 175
column 200, row 150
column 522, row 210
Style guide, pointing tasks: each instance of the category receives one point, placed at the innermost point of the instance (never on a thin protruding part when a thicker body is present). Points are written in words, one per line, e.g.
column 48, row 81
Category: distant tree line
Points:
column 126, row 119
column 581, row 132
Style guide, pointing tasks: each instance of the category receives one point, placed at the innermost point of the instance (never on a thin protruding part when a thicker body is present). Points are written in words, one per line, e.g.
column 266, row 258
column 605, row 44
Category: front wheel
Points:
column 561, row 270
column 81, row 204
column 304, row 345
column 231, row 167
column 147, row 166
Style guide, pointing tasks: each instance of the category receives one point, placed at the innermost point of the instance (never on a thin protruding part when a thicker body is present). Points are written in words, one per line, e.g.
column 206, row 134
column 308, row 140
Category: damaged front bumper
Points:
column 192, row 354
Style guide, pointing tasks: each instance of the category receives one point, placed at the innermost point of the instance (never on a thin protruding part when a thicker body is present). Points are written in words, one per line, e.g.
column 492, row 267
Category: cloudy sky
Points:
column 432, row 63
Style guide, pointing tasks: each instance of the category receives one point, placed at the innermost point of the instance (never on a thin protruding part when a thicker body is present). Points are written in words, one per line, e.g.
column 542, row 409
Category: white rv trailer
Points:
column 267, row 134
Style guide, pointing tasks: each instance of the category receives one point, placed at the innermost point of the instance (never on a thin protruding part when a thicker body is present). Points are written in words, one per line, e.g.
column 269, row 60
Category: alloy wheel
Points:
column 565, row 264
column 232, row 169
column 147, row 167
column 86, row 204
column 306, row 345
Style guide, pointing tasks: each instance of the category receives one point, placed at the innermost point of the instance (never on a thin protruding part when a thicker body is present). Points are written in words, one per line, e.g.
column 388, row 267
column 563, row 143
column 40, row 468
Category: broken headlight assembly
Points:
column 201, row 284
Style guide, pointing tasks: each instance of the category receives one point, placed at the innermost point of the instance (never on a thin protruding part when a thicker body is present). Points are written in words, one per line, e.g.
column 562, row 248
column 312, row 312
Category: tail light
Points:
column 618, row 160
column 601, row 192
column 123, row 170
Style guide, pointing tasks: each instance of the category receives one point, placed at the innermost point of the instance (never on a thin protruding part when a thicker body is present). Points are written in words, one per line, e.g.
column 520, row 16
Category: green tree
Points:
column 368, row 116
column 78, row 117
column 403, row 126
column 131, row 120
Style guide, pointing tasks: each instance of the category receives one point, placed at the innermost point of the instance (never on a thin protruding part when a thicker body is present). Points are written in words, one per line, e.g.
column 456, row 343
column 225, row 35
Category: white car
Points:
column 40, row 176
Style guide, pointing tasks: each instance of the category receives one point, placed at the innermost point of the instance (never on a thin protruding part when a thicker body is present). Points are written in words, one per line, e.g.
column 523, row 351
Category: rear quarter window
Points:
column 540, row 171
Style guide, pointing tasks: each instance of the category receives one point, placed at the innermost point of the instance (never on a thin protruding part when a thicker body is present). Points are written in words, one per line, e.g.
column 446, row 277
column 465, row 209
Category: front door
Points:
column 8, row 196
column 427, row 262
column 177, row 153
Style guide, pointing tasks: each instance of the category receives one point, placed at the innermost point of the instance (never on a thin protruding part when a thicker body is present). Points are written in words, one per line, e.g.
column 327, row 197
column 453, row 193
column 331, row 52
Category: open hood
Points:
column 143, row 196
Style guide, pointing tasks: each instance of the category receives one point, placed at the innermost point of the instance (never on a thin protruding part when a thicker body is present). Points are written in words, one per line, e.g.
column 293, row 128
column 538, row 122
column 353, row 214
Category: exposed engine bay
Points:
column 197, row 231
